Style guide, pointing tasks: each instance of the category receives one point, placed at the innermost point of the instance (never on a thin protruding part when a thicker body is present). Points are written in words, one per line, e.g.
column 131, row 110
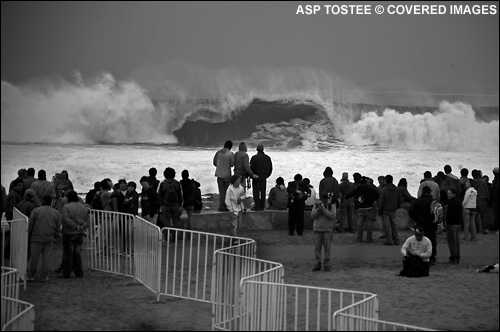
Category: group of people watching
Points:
column 355, row 206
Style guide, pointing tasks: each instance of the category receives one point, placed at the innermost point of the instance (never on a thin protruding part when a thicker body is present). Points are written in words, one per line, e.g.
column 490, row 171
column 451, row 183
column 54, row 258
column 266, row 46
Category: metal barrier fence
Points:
column 147, row 254
column 15, row 315
column 347, row 322
column 230, row 265
column 275, row 306
column 18, row 235
column 110, row 242
column 246, row 293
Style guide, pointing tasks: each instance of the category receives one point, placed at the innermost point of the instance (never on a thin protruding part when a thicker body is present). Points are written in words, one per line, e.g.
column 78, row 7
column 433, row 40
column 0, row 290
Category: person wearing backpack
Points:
column 170, row 195
column 420, row 211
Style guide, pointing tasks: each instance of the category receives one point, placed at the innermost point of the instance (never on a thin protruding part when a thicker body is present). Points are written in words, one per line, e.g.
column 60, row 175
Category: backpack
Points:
column 96, row 202
column 170, row 192
column 436, row 212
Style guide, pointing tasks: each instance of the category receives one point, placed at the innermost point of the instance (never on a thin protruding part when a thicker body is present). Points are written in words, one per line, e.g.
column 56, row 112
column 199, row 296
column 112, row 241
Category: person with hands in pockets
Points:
column 235, row 195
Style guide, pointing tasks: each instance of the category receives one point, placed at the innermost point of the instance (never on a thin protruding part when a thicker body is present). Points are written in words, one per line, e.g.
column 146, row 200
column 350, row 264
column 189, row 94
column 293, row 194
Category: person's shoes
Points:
column 63, row 277
column 486, row 231
column 432, row 261
column 369, row 241
column 223, row 209
column 256, row 209
column 328, row 268
column 351, row 230
column 381, row 237
column 387, row 243
column 316, row 267
column 396, row 243
column 30, row 279
column 59, row 270
column 44, row 279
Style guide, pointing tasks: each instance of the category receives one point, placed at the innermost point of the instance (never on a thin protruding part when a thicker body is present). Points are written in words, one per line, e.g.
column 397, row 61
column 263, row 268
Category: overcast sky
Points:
column 446, row 53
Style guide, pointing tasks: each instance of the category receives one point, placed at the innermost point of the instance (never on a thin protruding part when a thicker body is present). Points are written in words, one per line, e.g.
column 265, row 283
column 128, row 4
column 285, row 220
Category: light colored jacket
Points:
column 232, row 195
column 44, row 224
column 470, row 197
column 223, row 161
column 75, row 219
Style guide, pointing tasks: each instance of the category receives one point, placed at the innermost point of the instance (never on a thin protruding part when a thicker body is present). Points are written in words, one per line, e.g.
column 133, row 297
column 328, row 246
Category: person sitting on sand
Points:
column 488, row 269
column 416, row 250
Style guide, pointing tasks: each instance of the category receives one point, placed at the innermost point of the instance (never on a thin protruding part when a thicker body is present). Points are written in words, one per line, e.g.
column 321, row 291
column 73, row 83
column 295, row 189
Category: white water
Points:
column 87, row 164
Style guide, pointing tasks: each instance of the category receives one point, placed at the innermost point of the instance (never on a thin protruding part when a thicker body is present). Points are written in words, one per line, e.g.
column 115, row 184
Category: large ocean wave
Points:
column 294, row 108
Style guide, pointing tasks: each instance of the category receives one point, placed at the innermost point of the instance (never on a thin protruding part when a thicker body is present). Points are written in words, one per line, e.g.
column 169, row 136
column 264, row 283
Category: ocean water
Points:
column 307, row 121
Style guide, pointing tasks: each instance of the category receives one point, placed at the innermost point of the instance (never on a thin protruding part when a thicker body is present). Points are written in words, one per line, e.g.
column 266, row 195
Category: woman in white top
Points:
column 469, row 210
column 235, row 195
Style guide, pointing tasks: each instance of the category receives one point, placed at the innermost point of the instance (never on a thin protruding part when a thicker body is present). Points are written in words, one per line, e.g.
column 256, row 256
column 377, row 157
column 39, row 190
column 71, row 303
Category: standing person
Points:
column 118, row 196
column 21, row 175
column 429, row 182
column 242, row 165
column 262, row 166
column 346, row 207
column 27, row 205
column 323, row 214
column 464, row 173
column 329, row 186
column 311, row 200
column 44, row 226
column 453, row 225
column 15, row 197
column 150, row 202
column 366, row 195
column 76, row 220
column 469, row 205
column 42, row 187
column 420, row 212
column 90, row 195
column 223, row 161
column 188, row 194
column 234, row 201
column 297, row 195
column 495, row 196
column 62, row 181
column 171, row 198
column 388, row 204
column 481, row 200
column 130, row 204
column 153, row 181
column 30, row 178
column 278, row 196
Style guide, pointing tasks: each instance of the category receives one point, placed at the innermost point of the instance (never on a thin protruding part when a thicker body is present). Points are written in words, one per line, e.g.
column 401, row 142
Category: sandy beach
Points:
column 453, row 297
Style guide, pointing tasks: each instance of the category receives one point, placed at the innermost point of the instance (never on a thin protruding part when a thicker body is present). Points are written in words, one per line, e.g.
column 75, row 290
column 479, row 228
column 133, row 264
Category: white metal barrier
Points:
column 346, row 322
column 15, row 315
column 274, row 306
column 110, row 242
column 18, row 235
column 246, row 293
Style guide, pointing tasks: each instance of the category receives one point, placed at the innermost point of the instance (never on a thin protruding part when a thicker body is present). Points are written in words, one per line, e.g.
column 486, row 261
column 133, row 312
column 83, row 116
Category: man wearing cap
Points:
column 262, row 166
column 417, row 246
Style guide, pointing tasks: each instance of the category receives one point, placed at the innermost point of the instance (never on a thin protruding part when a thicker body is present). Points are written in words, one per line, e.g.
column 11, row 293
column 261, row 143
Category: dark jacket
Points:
column 365, row 195
column 454, row 213
column 296, row 200
column 131, row 203
column 420, row 211
column 150, row 202
column 261, row 165
column 389, row 200
column 163, row 192
column 329, row 185
column 188, row 190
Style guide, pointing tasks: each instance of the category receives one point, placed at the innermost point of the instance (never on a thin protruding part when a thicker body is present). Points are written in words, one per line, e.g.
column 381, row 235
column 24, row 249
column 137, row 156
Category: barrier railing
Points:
column 347, row 322
column 246, row 293
column 230, row 265
column 18, row 234
column 147, row 254
column 273, row 306
column 110, row 242
column 188, row 262
column 15, row 315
